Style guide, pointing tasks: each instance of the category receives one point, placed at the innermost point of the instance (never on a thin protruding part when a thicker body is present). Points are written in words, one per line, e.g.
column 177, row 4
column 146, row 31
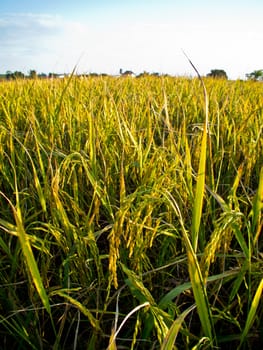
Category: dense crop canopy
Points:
column 99, row 179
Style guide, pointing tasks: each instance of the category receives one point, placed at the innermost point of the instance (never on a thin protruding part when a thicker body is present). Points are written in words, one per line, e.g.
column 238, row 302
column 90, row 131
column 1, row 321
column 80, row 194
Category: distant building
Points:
column 127, row 73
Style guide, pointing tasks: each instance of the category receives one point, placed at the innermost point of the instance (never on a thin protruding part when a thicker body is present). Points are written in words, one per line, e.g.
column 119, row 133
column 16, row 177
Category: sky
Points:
column 105, row 36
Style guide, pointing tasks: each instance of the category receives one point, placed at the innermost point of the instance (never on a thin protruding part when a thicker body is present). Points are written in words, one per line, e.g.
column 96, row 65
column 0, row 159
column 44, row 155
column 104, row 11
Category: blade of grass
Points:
column 26, row 248
column 252, row 313
column 196, row 278
column 21, row 333
column 112, row 345
column 200, row 181
column 172, row 294
column 161, row 319
column 257, row 208
column 28, row 253
column 93, row 321
column 169, row 340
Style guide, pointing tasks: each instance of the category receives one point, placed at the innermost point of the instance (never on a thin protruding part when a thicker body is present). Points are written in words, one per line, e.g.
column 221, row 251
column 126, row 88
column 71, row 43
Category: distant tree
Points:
column 147, row 74
column 32, row 74
column 14, row 75
column 143, row 74
column 18, row 75
column 8, row 75
column 256, row 75
column 217, row 73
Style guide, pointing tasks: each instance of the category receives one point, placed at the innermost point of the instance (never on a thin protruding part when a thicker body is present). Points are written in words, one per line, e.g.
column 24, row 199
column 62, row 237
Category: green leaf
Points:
column 168, row 298
column 169, row 340
column 196, row 278
column 28, row 254
column 252, row 312
column 257, row 208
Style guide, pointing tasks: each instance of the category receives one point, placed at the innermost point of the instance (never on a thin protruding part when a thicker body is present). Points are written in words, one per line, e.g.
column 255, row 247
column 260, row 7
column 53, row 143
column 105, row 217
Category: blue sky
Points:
column 139, row 35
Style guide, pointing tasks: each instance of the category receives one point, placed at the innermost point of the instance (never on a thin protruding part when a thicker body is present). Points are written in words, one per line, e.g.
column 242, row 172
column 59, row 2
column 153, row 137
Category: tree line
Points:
column 9, row 75
column 256, row 75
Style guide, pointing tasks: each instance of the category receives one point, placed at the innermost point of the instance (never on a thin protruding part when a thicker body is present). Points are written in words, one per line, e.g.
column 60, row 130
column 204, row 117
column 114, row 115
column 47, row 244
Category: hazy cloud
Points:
column 32, row 35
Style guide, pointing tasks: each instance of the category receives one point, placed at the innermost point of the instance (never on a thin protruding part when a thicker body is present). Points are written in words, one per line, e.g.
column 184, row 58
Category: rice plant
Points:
column 129, row 217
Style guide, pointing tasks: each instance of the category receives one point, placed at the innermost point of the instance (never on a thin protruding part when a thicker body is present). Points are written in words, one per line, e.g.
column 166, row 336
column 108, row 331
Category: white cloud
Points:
column 41, row 40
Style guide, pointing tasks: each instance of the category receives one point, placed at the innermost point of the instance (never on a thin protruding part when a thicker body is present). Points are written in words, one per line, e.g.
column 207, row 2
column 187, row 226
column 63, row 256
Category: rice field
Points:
column 131, row 214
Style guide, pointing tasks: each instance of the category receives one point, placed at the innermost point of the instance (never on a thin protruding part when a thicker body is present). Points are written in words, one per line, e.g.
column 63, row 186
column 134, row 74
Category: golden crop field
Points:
column 126, row 220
